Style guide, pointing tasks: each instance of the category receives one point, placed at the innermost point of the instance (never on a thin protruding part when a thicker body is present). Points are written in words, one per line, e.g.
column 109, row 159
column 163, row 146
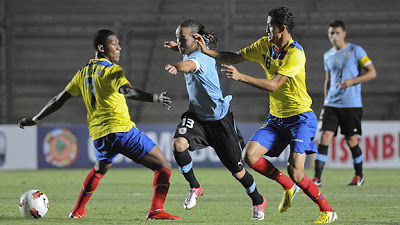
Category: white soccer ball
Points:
column 34, row 204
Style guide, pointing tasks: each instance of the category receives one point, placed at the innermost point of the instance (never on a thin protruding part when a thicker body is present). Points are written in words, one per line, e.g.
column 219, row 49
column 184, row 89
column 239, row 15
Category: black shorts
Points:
column 222, row 135
column 349, row 120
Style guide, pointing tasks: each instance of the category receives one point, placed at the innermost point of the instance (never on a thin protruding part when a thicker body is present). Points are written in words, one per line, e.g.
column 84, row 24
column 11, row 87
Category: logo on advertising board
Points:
column 60, row 147
column 2, row 148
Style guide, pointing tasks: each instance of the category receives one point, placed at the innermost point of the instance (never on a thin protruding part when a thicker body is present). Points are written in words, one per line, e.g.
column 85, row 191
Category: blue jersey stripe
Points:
column 104, row 63
column 297, row 45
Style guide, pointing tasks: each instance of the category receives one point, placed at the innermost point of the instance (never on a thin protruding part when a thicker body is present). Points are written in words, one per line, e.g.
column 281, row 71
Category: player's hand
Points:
column 171, row 69
column 231, row 72
column 347, row 83
column 201, row 44
column 163, row 99
column 26, row 122
column 171, row 45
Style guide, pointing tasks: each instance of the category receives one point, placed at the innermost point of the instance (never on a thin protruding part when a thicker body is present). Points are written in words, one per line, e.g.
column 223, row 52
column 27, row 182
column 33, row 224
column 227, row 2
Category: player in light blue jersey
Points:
column 209, row 120
column 343, row 105
column 205, row 96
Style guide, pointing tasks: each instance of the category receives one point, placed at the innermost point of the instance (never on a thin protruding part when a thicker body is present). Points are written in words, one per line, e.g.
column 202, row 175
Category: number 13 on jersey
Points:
column 187, row 122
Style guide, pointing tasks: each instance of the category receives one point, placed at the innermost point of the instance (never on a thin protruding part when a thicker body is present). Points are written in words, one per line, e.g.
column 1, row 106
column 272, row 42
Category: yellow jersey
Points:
column 98, row 82
column 291, row 98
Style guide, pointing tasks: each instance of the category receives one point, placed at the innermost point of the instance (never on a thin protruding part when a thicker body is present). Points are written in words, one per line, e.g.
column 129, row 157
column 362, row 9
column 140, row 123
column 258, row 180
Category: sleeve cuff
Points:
column 197, row 64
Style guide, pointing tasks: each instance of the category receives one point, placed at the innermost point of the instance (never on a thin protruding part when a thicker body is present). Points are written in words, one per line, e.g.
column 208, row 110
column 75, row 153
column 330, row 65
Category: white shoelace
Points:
column 190, row 194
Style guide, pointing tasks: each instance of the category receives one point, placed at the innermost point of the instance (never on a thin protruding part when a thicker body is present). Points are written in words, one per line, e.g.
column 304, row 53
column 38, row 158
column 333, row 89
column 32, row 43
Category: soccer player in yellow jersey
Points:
column 291, row 120
column 103, row 87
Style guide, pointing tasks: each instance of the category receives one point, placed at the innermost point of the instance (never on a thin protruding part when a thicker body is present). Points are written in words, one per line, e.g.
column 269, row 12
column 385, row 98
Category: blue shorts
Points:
column 132, row 144
column 298, row 131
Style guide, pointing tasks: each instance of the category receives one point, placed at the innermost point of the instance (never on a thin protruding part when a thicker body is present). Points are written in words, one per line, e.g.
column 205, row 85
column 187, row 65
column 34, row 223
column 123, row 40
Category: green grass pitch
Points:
column 124, row 195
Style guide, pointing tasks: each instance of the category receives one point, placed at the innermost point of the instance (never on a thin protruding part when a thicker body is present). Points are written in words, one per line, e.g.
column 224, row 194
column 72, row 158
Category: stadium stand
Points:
column 53, row 40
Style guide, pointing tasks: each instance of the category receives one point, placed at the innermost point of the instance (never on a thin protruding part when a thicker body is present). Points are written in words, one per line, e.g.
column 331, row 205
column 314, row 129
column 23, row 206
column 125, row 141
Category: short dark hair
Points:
column 101, row 36
column 282, row 16
column 337, row 23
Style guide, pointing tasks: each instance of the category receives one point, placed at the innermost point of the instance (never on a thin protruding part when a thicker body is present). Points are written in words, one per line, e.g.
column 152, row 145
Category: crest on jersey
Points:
column 182, row 130
column 347, row 55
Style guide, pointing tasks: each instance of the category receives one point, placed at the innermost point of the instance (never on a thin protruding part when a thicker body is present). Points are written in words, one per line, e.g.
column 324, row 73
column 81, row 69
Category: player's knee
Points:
column 102, row 168
column 250, row 156
column 166, row 164
column 157, row 160
column 180, row 144
column 245, row 157
column 296, row 174
column 239, row 175
column 351, row 140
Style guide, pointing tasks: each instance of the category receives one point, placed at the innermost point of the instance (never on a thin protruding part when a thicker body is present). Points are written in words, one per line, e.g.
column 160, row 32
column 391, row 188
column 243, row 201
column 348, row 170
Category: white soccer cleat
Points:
column 191, row 198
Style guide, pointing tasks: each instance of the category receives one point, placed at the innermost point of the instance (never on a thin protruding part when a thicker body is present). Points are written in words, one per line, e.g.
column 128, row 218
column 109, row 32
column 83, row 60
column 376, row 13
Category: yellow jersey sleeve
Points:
column 117, row 78
column 256, row 51
column 73, row 86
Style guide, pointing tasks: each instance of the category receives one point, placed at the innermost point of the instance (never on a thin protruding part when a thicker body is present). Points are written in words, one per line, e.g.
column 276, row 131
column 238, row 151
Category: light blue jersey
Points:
column 203, row 87
column 344, row 64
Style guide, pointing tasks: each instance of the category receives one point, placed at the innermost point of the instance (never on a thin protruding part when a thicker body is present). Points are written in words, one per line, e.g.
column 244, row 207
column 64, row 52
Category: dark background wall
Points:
column 44, row 42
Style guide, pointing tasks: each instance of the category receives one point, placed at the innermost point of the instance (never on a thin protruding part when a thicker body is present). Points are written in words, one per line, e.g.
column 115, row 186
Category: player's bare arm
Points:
column 135, row 94
column 263, row 84
column 182, row 66
column 53, row 105
column 228, row 57
column 367, row 76
column 326, row 83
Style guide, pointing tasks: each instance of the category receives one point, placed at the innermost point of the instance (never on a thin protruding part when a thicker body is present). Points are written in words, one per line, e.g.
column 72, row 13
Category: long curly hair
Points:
column 209, row 37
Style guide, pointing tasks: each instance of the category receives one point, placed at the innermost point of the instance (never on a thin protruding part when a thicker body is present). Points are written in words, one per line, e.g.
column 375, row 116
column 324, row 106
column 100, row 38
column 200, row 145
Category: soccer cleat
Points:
column 159, row 214
column 191, row 198
column 357, row 181
column 258, row 210
column 287, row 199
column 326, row 217
column 76, row 215
column 317, row 181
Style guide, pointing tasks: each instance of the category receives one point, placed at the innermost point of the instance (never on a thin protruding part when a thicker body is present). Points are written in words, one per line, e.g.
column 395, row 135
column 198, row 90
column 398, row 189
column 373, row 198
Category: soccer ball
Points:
column 33, row 203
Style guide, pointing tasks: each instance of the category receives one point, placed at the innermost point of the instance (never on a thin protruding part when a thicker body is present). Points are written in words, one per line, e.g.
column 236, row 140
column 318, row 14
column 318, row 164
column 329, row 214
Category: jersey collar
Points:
column 284, row 48
column 288, row 44
column 101, row 61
